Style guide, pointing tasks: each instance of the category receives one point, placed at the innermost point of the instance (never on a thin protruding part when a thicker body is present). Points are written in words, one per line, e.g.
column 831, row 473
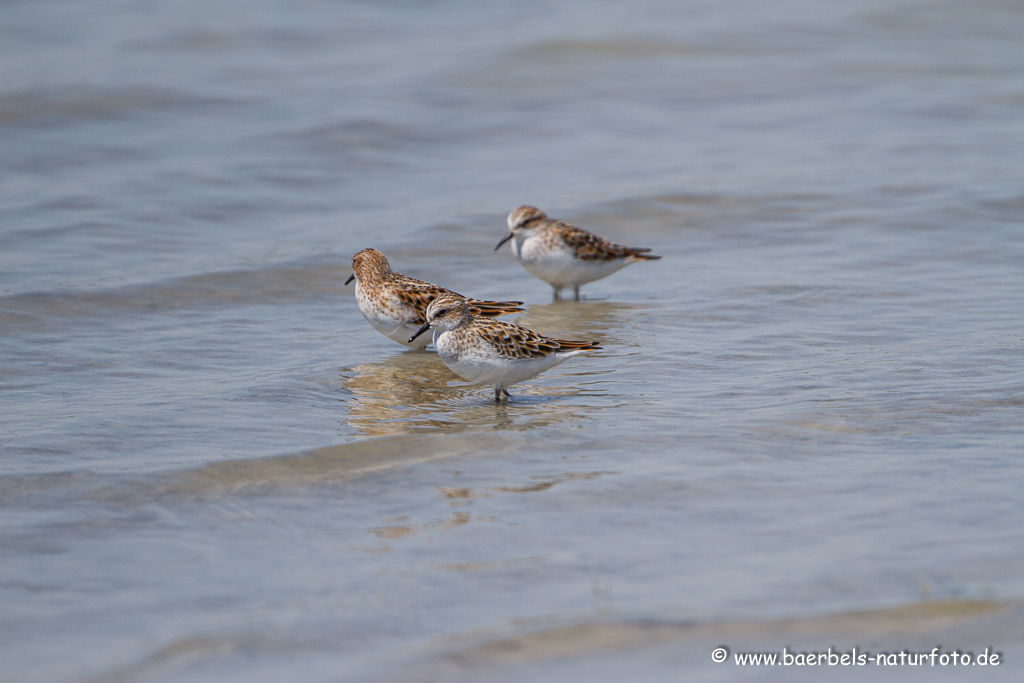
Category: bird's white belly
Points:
column 485, row 367
column 401, row 333
column 559, row 267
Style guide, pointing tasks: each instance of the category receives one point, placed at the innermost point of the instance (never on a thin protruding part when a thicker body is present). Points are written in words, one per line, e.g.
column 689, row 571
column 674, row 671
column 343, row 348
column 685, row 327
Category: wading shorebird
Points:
column 492, row 351
column 563, row 255
column 396, row 305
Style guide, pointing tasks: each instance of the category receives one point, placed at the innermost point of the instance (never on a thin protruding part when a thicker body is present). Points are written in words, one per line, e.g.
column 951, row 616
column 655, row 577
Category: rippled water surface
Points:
column 804, row 428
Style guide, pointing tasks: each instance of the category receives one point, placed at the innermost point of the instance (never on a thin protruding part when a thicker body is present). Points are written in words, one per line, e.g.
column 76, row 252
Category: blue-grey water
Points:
column 805, row 428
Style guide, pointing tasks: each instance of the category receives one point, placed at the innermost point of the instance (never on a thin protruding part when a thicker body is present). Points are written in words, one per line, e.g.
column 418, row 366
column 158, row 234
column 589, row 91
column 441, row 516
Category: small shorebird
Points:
column 396, row 305
column 492, row 351
column 563, row 255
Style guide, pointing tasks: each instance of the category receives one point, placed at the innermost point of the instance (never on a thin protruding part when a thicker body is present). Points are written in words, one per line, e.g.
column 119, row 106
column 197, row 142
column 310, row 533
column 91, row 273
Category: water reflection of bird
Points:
column 411, row 392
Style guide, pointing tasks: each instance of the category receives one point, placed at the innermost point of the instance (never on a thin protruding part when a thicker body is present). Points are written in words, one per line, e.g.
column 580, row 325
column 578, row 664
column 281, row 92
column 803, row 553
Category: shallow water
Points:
column 811, row 407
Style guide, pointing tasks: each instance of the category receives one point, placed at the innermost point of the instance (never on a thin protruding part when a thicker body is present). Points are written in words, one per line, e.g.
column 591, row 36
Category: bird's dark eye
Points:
column 443, row 311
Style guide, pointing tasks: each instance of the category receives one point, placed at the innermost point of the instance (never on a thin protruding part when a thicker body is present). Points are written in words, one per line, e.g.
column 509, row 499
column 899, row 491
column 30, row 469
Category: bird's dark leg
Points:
column 558, row 291
column 497, row 394
column 576, row 292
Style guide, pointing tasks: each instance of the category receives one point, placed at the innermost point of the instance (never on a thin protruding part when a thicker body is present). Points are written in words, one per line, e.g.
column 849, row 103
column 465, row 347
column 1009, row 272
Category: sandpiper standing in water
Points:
column 488, row 351
column 396, row 305
column 563, row 255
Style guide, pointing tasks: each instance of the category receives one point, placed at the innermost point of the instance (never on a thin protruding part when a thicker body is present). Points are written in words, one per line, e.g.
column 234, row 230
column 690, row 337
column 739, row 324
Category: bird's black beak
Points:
column 504, row 239
column 350, row 278
column 426, row 326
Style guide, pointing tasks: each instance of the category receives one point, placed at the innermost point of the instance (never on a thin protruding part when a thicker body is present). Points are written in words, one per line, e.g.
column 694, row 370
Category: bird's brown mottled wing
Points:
column 418, row 294
column 590, row 247
column 492, row 309
column 512, row 341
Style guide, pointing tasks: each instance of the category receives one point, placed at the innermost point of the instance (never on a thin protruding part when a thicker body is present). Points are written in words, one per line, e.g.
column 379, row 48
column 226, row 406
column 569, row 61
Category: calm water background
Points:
column 213, row 469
